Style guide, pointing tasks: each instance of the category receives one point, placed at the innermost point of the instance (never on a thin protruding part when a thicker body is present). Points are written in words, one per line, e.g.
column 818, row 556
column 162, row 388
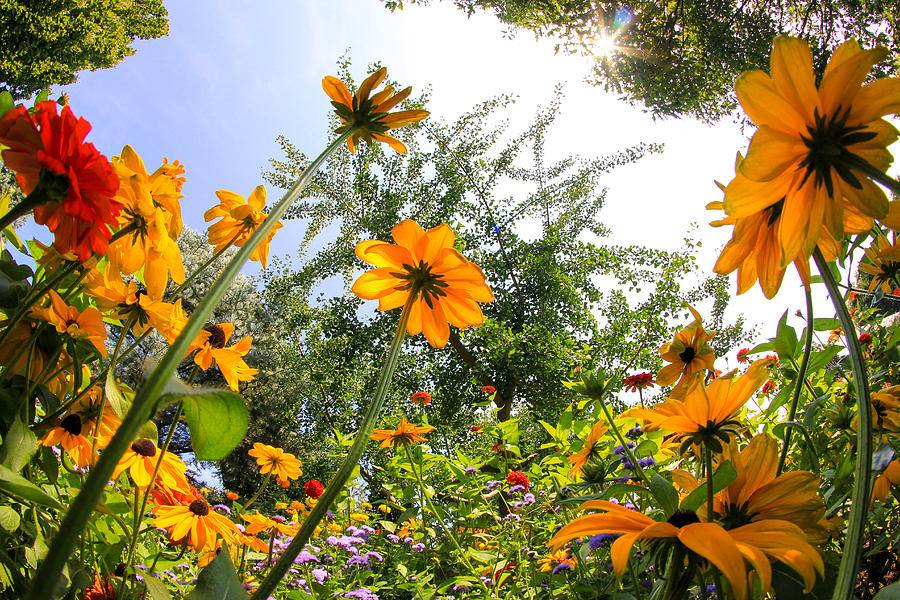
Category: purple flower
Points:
column 358, row 561
column 492, row 484
column 367, row 530
column 221, row 508
column 374, row 555
column 621, row 450
column 515, row 488
column 306, row 556
column 392, row 538
column 647, row 462
column 408, row 540
column 332, row 540
column 561, row 567
column 361, row 594
column 635, row 433
column 529, row 498
column 319, row 574
column 469, row 470
column 597, row 540
column 420, row 547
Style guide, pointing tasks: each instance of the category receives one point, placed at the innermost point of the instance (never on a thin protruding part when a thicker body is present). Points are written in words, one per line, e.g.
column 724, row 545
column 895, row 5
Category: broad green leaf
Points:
column 19, row 446
column 723, row 476
column 217, row 419
column 785, row 340
column 50, row 464
column 218, row 581
column 819, row 359
column 779, row 430
column 889, row 592
column 9, row 518
column 665, row 493
column 6, row 102
column 114, row 396
column 826, row 324
column 156, row 588
column 15, row 485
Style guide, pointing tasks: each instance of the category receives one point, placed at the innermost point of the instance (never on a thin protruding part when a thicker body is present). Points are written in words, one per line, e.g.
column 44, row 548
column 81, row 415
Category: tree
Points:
column 681, row 57
column 46, row 43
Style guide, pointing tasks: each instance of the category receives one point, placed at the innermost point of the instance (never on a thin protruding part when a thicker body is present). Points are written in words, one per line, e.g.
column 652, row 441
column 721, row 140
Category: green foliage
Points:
column 46, row 43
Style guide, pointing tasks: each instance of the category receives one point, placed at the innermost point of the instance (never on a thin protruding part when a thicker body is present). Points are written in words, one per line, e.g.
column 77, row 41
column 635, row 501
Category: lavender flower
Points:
column 392, row 538
column 374, row 555
column 561, row 567
column 361, row 594
column 358, row 561
column 319, row 574
column 469, row 470
column 529, row 498
column 621, row 450
column 420, row 547
column 221, row 508
column 306, row 556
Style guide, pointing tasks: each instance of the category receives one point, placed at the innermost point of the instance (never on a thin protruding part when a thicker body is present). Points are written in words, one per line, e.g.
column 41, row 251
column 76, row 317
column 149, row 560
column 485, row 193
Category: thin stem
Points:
column 799, row 382
column 340, row 478
column 29, row 203
column 145, row 402
column 710, row 512
column 31, row 299
column 253, row 498
column 856, row 525
column 202, row 268
column 631, row 457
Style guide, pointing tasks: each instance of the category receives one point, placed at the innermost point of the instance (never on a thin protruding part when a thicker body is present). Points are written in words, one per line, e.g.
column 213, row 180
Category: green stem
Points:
column 33, row 298
column 175, row 293
column 340, row 478
column 856, row 525
column 799, row 382
column 29, row 203
column 258, row 492
column 146, row 400
column 623, row 442
column 710, row 511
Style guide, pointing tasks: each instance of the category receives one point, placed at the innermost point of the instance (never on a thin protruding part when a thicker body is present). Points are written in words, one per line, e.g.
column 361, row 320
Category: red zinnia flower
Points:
column 768, row 387
column 488, row 389
column 314, row 488
column 474, row 428
column 742, row 355
column 865, row 338
column 518, row 478
column 101, row 590
column 231, row 496
column 421, row 398
column 497, row 447
column 638, row 382
column 54, row 144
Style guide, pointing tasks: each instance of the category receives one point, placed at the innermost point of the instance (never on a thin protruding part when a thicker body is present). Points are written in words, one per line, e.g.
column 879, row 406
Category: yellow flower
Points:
column 883, row 264
column 886, row 409
column 811, row 141
column 195, row 524
column 370, row 116
column 890, row 476
column 557, row 557
column 211, row 347
column 17, row 362
column 151, row 209
column 87, row 324
column 689, row 353
column 448, row 286
column 140, row 461
column 406, row 433
column 240, row 219
column 589, row 450
column 275, row 460
column 73, row 434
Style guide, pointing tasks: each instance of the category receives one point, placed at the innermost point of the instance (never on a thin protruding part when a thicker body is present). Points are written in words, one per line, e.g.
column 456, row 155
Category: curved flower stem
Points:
column 177, row 291
column 28, row 204
column 253, row 498
column 856, row 525
column 800, row 381
column 623, row 441
column 147, row 398
column 340, row 478
column 427, row 501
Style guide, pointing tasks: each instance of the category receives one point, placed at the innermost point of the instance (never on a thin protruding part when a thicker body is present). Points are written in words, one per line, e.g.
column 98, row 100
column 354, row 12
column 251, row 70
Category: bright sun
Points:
column 606, row 45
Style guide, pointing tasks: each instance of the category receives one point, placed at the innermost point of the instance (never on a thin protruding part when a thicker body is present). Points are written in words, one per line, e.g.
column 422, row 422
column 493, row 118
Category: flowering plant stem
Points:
column 146, row 401
column 623, row 441
column 798, row 382
column 846, row 577
column 336, row 485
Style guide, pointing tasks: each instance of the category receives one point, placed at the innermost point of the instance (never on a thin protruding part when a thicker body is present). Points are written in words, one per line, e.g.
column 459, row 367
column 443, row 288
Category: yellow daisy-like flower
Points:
column 729, row 551
column 18, row 362
column 140, row 460
column 195, row 524
column 210, row 346
column 883, row 264
column 406, row 433
column 87, row 324
column 886, row 409
column 73, row 434
column 240, row 219
column 690, row 355
column 890, row 476
column 369, row 116
column 811, row 141
column 557, row 557
column 147, row 202
column 448, row 286
column 270, row 459
column 589, row 450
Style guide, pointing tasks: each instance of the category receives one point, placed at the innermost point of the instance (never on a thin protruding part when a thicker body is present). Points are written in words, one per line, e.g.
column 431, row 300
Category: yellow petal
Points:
column 771, row 153
column 715, row 545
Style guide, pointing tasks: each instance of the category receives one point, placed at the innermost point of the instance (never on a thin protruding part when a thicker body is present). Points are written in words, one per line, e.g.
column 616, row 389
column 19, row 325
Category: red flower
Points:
column 865, row 338
column 231, row 496
column 489, row 389
column 742, row 355
column 101, row 590
column 768, row 387
column 497, row 447
column 314, row 488
column 518, row 478
column 474, row 428
column 638, row 382
column 421, row 398
column 53, row 144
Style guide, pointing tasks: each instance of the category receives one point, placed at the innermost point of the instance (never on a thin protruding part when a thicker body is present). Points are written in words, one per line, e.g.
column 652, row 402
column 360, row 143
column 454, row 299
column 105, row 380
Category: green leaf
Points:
column 50, row 464
column 156, row 588
column 665, row 493
column 218, row 581
column 889, row 592
column 217, row 419
column 6, row 102
column 828, row 324
column 19, row 446
column 114, row 396
column 819, row 359
column 785, row 340
column 9, row 518
column 779, row 430
column 15, row 485
column 723, row 476
column 788, row 584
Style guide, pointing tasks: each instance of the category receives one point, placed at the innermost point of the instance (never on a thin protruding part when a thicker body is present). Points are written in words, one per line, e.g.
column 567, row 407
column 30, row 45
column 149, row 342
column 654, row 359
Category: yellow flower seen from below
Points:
column 882, row 262
column 239, row 219
column 406, row 433
column 195, row 524
column 87, row 324
column 368, row 115
column 140, row 461
column 590, row 449
column 270, row 459
column 448, row 287
column 211, row 348
column 689, row 354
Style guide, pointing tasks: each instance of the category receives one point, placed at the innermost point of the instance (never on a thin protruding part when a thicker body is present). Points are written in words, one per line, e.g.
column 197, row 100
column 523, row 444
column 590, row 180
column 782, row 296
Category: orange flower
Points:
column 239, row 220
column 406, row 433
column 195, row 524
column 140, row 461
column 284, row 465
column 421, row 398
column 231, row 496
column 47, row 149
column 74, row 323
column 73, row 434
column 590, row 449
column 448, row 286
column 369, row 116
column 211, row 347
column 689, row 353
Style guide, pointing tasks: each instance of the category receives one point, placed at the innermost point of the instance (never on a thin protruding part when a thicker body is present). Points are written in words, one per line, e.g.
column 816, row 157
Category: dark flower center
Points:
column 680, row 518
column 144, row 447
column 72, row 424
column 420, row 277
column 688, row 355
column 216, row 336
column 888, row 271
column 774, row 211
column 199, row 508
column 827, row 142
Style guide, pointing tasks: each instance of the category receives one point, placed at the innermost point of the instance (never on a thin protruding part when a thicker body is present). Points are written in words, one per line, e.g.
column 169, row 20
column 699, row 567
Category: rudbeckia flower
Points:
column 270, row 459
column 194, row 524
column 589, row 450
column 369, row 116
column 882, row 262
column 547, row 562
column 87, row 324
column 47, row 148
column 886, row 409
column 240, row 219
column 449, row 287
column 73, row 434
column 211, row 347
column 17, row 362
column 811, row 141
column 690, row 355
column 406, row 433
column 140, row 461
column 890, row 476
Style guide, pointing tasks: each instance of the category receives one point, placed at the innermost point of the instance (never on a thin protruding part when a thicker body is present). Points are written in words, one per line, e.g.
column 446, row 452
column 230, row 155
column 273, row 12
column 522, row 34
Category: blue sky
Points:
column 232, row 76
